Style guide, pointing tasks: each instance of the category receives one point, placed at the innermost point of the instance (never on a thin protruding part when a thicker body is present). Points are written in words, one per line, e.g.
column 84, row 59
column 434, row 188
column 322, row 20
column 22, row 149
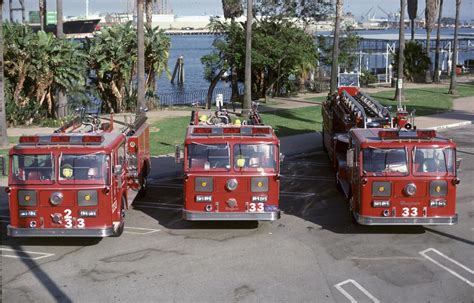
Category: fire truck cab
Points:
column 231, row 171
column 400, row 177
column 74, row 182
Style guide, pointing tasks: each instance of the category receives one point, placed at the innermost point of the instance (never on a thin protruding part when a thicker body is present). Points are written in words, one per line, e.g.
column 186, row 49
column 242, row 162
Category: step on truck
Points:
column 231, row 168
column 74, row 182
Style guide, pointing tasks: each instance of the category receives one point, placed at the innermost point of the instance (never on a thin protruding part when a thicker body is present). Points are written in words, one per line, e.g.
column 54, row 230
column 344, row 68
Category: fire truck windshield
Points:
column 385, row 160
column 208, row 156
column 255, row 157
column 33, row 169
column 349, row 80
column 433, row 161
column 91, row 168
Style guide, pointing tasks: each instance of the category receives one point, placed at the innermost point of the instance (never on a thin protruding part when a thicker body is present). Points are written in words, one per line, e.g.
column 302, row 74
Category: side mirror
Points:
column 2, row 165
column 177, row 154
column 458, row 163
column 282, row 157
column 350, row 158
column 118, row 170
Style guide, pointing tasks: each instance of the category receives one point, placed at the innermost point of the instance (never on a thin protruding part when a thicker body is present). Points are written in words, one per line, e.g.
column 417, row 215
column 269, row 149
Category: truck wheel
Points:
column 338, row 184
column 119, row 231
column 143, row 187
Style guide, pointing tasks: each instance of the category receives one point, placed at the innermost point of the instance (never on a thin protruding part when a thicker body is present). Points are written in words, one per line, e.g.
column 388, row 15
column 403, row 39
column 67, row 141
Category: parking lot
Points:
column 314, row 253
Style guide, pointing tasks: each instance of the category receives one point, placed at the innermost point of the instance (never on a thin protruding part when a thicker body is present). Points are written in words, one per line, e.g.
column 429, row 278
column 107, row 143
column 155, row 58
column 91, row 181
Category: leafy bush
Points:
column 367, row 78
column 416, row 62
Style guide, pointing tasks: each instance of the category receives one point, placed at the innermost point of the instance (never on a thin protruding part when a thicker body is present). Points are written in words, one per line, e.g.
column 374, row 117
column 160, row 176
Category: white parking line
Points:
column 167, row 185
column 10, row 253
column 351, row 298
column 424, row 254
column 139, row 230
column 5, row 221
column 4, row 216
column 154, row 205
column 291, row 193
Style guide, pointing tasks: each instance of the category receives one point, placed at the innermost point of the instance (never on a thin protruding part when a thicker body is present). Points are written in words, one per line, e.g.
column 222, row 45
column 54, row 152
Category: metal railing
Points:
column 194, row 97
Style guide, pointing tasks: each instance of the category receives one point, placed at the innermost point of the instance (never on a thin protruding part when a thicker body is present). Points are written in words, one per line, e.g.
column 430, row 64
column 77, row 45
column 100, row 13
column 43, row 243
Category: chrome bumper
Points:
column 363, row 220
column 231, row 216
column 59, row 232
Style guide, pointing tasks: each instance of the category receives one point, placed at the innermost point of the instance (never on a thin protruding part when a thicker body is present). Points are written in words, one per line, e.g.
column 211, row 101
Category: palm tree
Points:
column 3, row 121
column 412, row 11
column 248, row 59
column 452, row 86
column 140, row 59
column 62, row 99
column 430, row 15
column 399, row 93
column 335, row 49
column 233, row 9
column 149, row 12
column 438, row 43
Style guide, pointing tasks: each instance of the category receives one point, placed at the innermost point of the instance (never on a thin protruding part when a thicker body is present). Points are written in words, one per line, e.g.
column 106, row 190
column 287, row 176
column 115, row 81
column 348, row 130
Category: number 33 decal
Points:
column 256, row 207
column 410, row 212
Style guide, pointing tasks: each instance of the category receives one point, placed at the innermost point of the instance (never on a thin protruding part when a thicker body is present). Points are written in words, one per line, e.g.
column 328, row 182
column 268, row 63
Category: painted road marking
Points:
column 5, row 221
column 451, row 271
column 23, row 254
column 4, row 216
column 166, row 185
column 300, row 194
column 139, row 230
column 351, row 298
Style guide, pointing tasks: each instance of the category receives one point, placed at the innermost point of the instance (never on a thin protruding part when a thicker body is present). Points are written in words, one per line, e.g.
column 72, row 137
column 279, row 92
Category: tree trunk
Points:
column 212, row 86
column 149, row 12
column 42, row 14
column 453, row 85
column 62, row 99
column 3, row 121
column 248, row 60
column 141, row 59
column 335, row 48
column 399, row 92
column 412, row 29
column 438, row 43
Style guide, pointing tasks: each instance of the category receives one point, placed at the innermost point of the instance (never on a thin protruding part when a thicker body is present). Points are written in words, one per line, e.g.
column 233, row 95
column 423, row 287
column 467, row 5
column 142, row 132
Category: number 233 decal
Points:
column 68, row 220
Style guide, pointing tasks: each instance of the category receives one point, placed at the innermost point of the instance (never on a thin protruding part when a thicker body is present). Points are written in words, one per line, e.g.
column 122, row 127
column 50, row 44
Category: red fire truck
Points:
column 231, row 169
column 347, row 109
column 74, row 182
column 399, row 176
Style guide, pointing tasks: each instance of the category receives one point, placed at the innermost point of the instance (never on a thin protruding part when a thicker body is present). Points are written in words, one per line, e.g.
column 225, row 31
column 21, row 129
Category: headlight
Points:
column 27, row 213
column 203, row 198
column 410, row 189
column 56, row 198
column 26, row 198
column 87, row 197
column 381, row 189
column 232, row 184
column 380, row 203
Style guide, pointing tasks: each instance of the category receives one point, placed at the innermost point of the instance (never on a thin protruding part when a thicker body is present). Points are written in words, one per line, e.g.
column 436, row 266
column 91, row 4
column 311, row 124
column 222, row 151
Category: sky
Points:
column 214, row 7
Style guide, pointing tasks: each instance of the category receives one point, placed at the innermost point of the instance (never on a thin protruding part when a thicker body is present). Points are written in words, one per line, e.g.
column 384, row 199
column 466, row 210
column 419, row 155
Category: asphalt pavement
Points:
column 312, row 254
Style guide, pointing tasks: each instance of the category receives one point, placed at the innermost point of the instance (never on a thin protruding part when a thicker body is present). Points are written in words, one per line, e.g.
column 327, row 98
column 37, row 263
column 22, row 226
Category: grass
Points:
column 171, row 131
column 426, row 100
column 318, row 99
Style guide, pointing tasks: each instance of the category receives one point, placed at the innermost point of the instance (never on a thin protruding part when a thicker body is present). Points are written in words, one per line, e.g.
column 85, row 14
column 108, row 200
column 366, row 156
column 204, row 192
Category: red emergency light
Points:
column 429, row 133
column 29, row 139
column 261, row 131
column 92, row 139
column 202, row 130
column 388, row 134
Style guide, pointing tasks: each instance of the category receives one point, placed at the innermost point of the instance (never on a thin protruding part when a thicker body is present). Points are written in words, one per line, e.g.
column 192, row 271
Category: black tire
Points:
column 338, row 184
column 323, row 135
column 119, row 231
column 143, row 183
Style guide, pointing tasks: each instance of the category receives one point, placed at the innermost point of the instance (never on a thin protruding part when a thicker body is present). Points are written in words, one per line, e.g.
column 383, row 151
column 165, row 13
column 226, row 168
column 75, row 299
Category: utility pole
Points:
column 42, row 14
column 335, row 48
column 248, row 60
column 453, row 84
column 3, row 121
column 141, row 59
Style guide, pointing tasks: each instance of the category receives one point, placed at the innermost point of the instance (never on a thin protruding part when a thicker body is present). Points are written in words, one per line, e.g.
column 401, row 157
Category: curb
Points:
column 440, row 127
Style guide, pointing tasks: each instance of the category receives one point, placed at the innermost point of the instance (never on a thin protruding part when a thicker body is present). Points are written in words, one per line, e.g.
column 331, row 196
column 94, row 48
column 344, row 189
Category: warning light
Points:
column 29, row 139
column 60, row 139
